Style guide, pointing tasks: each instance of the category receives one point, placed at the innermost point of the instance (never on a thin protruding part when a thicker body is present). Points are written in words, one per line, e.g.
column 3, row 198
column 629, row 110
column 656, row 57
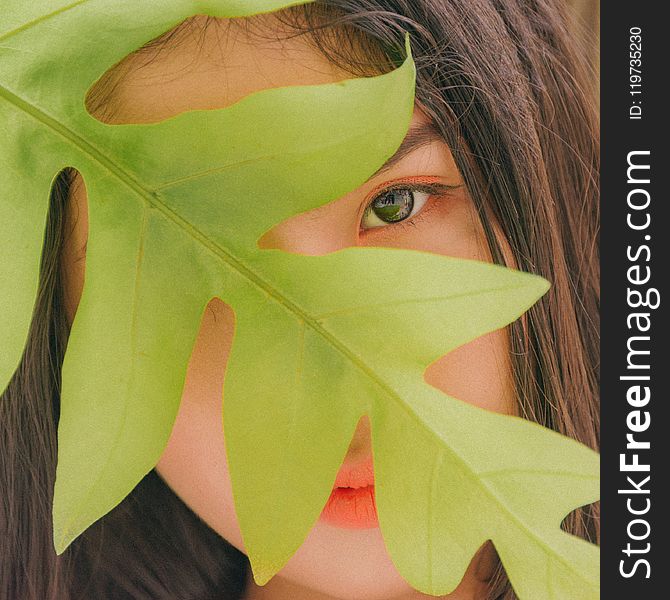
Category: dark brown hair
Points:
column 502, row 81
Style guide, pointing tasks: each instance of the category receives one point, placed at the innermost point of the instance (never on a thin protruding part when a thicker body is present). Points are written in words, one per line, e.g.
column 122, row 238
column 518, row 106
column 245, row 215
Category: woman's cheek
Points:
column 449, row 227
column 478, row 373
column 194, row 462
column 73, row 253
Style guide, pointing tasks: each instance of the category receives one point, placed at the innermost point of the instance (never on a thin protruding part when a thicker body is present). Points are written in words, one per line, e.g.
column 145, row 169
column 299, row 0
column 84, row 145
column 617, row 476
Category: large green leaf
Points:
column 319, row 340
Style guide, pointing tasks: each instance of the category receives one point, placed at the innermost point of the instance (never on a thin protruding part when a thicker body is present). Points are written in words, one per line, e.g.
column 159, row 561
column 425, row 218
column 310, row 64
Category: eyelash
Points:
column 434, row 189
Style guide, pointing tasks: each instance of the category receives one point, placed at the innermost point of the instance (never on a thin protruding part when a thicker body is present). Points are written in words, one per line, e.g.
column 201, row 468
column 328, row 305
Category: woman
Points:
column 501, row 167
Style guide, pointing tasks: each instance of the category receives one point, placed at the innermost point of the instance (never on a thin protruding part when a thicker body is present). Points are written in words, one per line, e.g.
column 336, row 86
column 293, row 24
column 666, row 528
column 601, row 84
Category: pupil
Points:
column 394, row 205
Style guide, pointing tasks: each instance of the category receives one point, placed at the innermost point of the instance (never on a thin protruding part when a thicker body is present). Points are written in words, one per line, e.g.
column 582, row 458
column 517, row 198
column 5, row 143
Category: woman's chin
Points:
column 345, row 563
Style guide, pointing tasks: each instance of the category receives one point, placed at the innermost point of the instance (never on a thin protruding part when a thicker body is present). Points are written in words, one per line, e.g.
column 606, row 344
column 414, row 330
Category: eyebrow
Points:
column 417, row 136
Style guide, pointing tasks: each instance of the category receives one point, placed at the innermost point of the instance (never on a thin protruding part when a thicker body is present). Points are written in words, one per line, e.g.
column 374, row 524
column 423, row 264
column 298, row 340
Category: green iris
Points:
column 394, row 205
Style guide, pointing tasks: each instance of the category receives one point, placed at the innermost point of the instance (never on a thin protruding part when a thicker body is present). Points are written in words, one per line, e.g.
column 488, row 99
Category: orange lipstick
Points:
column 351, row 504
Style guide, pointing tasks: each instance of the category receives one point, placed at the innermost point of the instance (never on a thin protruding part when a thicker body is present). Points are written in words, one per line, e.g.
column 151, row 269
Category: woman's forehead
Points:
column 209, row 64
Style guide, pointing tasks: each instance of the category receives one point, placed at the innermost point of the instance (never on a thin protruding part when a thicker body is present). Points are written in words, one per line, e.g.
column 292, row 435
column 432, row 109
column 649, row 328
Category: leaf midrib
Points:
column 154, row 201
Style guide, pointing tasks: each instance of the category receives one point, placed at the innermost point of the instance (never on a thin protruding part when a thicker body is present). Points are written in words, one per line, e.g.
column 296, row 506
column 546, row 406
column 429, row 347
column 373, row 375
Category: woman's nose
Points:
column 360, row 448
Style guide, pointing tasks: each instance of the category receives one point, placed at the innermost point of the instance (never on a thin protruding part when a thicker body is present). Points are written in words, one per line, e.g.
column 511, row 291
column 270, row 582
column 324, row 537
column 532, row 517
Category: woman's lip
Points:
column 351, row 508
column 352, row 502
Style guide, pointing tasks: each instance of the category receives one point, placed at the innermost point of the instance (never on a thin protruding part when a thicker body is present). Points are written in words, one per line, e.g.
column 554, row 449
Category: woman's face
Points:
column 212, row 70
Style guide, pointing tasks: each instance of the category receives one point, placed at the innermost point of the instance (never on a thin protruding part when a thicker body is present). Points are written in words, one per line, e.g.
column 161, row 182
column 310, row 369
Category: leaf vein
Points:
column 517, row 471
column 133, row 337
column 208, row 172
column 300, row 353
column 41, row 19
column 360, row 308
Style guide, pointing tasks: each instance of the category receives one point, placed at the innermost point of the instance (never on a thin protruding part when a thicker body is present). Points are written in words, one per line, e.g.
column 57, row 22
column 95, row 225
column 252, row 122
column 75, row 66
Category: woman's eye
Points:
column 393, row 206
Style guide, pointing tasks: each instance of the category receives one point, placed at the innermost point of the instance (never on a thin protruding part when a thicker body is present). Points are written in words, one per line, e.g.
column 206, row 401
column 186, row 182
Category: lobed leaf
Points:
column 173, row 222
